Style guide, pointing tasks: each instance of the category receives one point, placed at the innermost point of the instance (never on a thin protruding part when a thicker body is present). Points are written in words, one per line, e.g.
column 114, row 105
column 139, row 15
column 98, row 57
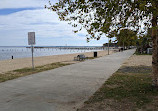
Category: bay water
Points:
column 6, row 52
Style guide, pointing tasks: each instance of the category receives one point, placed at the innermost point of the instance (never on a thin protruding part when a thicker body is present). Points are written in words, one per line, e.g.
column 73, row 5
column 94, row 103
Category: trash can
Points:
column 95, row 54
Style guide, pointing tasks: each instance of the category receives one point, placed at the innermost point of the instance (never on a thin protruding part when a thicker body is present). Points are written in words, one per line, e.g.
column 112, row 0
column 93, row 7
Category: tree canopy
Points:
column 126, row 38
column 104, row 16
column 108, row 17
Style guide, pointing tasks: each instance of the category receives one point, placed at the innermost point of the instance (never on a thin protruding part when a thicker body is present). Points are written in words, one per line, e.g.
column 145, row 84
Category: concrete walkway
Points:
column 61, row 89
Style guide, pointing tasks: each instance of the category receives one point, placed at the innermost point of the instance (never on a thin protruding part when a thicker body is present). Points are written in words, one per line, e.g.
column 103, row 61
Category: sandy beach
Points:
column 9, row 65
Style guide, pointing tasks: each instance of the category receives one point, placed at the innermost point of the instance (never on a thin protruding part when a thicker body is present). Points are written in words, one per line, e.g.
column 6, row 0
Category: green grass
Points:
column 127, row 86
column 27, row 71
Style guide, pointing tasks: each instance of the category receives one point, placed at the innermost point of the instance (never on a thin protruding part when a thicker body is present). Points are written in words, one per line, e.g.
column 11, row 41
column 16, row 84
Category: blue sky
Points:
column 7, row 11
column 18, row 17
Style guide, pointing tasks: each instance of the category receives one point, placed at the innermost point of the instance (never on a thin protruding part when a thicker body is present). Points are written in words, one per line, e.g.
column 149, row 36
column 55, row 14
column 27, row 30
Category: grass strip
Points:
column 28, row 71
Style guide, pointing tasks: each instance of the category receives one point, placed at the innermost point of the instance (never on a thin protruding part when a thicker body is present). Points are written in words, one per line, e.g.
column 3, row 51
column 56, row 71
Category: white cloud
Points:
column 49, row 30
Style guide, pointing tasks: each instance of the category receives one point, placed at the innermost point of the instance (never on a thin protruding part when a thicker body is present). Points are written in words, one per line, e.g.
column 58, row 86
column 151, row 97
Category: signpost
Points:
column 31, row 41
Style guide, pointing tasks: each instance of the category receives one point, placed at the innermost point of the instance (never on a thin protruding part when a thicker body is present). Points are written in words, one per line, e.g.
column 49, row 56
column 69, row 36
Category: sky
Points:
column 18, row 17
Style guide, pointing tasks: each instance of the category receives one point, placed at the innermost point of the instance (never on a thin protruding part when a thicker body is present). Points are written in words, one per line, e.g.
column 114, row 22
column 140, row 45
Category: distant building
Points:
column 110, row 45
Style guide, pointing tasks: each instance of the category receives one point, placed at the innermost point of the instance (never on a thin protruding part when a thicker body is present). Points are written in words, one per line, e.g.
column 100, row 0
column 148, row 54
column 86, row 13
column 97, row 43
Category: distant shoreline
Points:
column 51, row 46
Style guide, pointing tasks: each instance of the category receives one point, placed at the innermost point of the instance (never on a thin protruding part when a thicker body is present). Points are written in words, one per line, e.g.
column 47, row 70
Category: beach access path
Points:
column 61, row 89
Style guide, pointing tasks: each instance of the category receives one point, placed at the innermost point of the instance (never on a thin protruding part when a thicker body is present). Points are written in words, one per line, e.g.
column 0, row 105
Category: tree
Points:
column 126, row 38
column 105, row 16
column 143, row 44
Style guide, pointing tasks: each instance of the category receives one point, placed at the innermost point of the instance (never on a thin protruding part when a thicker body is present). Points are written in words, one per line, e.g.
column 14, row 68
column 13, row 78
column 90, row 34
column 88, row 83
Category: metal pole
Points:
column 108, row 45
column 123, row 45
column 32, row 49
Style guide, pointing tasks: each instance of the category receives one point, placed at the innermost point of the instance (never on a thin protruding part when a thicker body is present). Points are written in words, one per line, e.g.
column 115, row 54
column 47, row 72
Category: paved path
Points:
column 61, row 89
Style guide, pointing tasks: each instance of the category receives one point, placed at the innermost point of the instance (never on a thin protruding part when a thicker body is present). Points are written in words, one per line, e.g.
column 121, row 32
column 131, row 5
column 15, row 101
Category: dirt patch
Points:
column 108, row 105
column 139, row 60
column 135, row 69
column 152, row 106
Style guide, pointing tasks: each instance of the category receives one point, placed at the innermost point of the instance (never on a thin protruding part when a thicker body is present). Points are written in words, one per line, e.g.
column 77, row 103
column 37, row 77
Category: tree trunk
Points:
column 155, row 52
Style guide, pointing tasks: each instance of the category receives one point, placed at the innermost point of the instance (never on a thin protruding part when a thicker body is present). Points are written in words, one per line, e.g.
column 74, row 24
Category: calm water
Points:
column 23, row 52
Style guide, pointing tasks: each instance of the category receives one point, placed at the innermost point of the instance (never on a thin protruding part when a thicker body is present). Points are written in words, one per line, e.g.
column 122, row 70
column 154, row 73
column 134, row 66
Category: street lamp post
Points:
column 108, row 45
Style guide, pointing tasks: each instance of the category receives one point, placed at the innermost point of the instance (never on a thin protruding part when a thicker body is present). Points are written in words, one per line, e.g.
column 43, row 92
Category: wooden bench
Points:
column 80, row 57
